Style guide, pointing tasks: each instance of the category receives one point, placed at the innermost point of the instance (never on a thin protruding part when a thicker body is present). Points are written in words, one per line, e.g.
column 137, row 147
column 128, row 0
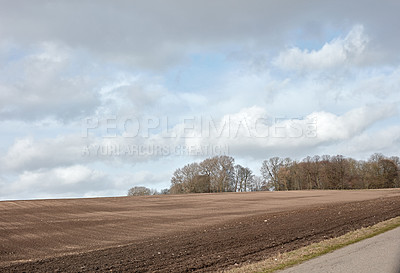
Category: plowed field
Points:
column 178, row 233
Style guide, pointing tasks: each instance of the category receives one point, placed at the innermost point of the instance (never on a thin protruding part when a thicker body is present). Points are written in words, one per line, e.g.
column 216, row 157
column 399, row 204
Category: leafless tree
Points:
column 139, row 191
column 243, row 177
column 270, row 169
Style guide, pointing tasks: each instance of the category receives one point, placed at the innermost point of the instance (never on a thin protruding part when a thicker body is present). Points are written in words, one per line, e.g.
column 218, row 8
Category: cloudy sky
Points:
column 100, row 96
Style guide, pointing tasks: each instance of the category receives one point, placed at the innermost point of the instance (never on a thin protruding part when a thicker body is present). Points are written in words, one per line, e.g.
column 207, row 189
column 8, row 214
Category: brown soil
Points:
column 203, row 232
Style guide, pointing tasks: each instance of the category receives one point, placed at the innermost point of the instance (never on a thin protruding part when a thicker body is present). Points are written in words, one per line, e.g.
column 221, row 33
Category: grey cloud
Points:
column 157, row 33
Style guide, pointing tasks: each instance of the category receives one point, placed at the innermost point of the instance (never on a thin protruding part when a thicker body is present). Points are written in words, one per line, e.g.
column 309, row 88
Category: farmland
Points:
column 178, row 233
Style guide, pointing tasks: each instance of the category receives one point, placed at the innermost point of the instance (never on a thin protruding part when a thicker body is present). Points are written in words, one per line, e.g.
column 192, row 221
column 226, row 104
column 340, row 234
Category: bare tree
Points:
column 164, row 191
column 257, row 184
column 269, row 171
column 184, row 180
column 221, row 172
column 243, row 177
column 139, row 191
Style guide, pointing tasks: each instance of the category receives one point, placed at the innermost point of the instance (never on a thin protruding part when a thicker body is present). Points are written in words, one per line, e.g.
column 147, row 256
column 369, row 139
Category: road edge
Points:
column 295, row 257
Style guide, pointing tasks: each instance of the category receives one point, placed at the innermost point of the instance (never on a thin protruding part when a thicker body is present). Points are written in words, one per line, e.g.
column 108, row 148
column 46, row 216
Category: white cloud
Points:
column 252, row 133
column 44, row 84
column 381, row 84
column 335, row 54
column 385, row 140
column 28, row 154
column 332, row 127
column 70, row 181
column 77, row 181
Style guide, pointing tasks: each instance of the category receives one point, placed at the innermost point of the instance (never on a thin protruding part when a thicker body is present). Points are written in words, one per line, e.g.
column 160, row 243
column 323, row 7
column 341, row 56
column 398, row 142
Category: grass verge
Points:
column 288, row 259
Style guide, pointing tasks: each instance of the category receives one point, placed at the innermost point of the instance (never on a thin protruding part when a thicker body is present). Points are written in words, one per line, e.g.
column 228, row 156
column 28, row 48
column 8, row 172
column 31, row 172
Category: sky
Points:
column 99, row 96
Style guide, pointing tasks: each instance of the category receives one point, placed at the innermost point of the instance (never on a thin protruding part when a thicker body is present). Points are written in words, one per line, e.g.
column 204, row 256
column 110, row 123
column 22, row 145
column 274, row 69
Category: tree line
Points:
column 332, row 172
column 221, row 174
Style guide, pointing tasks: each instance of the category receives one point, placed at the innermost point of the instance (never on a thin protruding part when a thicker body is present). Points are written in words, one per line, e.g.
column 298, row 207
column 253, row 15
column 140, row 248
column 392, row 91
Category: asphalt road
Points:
column 378, row 254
